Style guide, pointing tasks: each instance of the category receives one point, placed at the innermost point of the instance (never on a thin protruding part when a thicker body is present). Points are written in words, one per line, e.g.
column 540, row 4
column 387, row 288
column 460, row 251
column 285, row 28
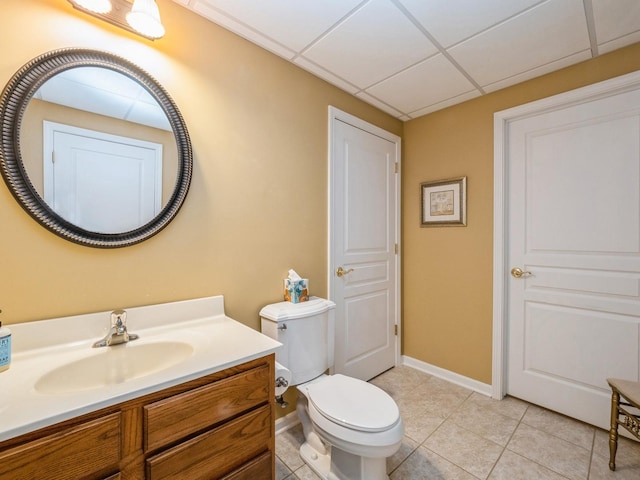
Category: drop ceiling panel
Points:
column 104, row 92
column 451, row 21
column 423, row 85
column 619, row 43
column 372, row 44
column 554, row 30
column 294, row 23
column 536, row 72
column 413, row 57
column 615, row 18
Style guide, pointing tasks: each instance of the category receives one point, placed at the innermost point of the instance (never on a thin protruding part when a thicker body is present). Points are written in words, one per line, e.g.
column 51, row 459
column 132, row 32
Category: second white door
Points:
column 574, row 230
column 364, row 231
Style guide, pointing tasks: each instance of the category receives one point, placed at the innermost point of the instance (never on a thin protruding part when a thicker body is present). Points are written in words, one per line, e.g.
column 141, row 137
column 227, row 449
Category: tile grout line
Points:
column 593, row 447
column 504, row 449
column 547, row 467
column 418, row 444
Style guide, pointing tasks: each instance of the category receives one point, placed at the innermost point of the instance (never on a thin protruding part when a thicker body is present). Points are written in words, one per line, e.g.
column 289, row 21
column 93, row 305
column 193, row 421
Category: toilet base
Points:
column 319, row 463
column 337, row 464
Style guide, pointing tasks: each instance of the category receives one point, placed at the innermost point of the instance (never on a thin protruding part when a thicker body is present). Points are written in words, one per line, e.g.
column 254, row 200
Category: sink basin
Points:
column 113, row 365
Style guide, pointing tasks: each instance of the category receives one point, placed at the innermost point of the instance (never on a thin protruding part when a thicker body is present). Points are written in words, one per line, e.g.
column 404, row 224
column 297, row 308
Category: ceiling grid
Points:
column 413, row 57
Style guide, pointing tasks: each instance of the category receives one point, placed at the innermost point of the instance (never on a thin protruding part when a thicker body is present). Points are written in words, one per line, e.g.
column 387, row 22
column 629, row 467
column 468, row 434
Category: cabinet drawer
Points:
column 75, row 452
column 217, row 452
column 177, row 417
column 260, row 468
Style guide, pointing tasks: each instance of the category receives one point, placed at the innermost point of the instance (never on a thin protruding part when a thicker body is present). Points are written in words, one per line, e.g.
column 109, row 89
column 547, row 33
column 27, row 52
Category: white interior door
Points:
column 364, row 234
column 101, row 182
column 574, row 224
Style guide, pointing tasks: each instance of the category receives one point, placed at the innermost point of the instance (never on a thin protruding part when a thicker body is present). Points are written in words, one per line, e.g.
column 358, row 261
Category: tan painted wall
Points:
column 257, row 204
column 447, row 276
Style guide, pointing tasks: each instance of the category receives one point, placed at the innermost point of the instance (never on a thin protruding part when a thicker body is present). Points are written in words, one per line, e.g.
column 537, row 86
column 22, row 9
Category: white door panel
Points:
column 599, row 158
column 364, row 229
column 367, row 313
column 580, row 339
column 574, row 223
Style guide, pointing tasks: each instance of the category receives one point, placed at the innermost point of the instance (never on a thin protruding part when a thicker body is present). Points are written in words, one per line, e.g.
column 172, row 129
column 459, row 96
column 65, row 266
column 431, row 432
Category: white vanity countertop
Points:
column 218, row 342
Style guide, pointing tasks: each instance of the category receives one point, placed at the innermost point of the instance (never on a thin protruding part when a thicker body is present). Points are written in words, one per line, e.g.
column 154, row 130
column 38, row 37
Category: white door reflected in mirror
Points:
column 100, row 182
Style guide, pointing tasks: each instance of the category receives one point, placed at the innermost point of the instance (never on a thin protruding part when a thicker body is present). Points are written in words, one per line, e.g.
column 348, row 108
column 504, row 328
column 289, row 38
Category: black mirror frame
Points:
column 13, row 103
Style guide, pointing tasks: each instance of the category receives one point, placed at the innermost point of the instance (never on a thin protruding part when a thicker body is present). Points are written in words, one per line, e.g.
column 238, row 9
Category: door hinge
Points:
column 396, row 167
column 53, row 156
column 396, row 248
column 395, row 329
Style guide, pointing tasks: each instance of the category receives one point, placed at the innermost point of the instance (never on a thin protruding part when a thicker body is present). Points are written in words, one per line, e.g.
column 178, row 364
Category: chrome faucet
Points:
column 118, row 332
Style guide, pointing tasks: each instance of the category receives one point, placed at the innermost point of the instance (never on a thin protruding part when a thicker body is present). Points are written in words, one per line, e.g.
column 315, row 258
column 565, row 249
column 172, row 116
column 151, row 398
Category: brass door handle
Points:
column 341, row 272
column 518, row 272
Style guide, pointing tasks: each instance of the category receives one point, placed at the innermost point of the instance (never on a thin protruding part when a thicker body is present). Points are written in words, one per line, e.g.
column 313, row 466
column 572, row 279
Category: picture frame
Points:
column 444, row 203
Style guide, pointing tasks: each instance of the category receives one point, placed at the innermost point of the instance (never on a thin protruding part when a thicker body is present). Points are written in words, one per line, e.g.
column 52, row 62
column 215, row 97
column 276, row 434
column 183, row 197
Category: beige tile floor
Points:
column 452, row 433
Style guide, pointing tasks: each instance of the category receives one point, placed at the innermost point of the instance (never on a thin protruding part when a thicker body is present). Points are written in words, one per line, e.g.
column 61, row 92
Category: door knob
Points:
column 341, row 272
column 518, row 272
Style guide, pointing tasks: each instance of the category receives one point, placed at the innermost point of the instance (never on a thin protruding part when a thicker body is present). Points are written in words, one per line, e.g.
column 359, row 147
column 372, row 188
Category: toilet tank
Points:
column 306, row 331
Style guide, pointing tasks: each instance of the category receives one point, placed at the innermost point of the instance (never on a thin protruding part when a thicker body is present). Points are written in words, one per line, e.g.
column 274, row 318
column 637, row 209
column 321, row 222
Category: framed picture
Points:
column 444, row 203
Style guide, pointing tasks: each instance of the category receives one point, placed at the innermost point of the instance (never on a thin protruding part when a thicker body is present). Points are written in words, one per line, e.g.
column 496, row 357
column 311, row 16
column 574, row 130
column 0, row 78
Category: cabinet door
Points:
column 82, row 451
column 217, row 452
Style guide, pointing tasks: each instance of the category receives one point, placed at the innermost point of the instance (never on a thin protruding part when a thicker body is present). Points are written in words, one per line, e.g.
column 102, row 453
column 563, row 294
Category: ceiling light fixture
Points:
column 145, row 18
column 97, row 6
column 142, row 17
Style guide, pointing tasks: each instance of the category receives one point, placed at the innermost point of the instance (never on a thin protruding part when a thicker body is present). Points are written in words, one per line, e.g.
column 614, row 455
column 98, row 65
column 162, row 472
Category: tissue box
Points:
column 296, row 291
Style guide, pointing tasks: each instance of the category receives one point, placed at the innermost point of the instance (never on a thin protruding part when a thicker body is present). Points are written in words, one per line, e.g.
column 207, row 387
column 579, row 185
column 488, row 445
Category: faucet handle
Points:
column 119, row 320
column 118, row 317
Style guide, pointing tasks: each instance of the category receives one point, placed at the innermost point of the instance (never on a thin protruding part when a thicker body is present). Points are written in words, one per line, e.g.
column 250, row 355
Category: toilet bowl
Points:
column 350, row 426
column 357, row 423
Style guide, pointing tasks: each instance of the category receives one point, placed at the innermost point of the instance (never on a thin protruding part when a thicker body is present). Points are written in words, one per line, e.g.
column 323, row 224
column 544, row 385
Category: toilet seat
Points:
column 353, row 403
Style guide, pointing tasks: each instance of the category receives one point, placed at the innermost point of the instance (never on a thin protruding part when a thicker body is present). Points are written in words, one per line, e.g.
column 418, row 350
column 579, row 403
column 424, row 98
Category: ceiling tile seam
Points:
column 437, row 44
column 335, row 25
column 497, row 24
column 616, row 39
column 329, row 73
column 591, row 26
column 249, row 27
column 402, row 112
column 365, row 90
column 444, row 100
column 524, row 72
column 396, row 73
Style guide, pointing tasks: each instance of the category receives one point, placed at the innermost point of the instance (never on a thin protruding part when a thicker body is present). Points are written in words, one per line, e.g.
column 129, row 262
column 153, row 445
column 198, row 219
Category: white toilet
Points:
column 350, row 426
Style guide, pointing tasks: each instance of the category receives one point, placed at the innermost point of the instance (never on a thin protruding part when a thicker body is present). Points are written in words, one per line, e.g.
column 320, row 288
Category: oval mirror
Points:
column 93, row 148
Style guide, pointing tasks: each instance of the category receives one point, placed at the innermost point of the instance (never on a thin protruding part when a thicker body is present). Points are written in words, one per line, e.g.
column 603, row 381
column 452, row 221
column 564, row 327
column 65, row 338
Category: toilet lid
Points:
column 354, row 403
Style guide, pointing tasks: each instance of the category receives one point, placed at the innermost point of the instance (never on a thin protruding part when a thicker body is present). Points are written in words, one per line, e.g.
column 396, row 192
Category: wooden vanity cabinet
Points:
column 216, row 427
column 84, row 450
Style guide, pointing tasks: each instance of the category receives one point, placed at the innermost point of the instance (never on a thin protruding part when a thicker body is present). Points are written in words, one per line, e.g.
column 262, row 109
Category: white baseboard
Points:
column 290, row 420
column 448, row 375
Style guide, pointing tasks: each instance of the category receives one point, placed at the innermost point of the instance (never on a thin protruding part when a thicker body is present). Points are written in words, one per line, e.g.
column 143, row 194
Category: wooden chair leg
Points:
column 613, row 433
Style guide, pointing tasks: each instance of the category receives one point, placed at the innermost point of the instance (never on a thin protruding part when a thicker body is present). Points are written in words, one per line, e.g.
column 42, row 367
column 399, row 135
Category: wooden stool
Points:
column 630, row 393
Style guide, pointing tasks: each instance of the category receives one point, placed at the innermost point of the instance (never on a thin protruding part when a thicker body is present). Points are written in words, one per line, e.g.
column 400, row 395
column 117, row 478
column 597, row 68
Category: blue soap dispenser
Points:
column 5, row 348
